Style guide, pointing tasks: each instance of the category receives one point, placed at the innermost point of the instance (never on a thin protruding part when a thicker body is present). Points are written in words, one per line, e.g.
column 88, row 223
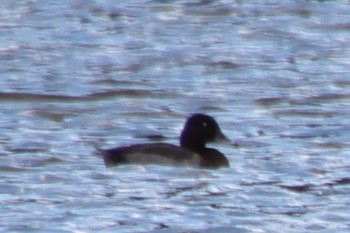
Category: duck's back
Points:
column 151, row 153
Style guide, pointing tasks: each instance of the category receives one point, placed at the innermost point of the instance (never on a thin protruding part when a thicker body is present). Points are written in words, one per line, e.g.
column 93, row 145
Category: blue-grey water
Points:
column 275, row 75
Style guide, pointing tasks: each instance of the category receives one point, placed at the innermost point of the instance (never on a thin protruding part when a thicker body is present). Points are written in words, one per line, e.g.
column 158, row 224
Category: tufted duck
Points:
column 198, row 130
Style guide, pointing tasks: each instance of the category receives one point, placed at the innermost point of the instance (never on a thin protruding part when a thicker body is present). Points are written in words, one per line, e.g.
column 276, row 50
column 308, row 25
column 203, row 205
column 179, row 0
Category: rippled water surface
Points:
column 275, row 75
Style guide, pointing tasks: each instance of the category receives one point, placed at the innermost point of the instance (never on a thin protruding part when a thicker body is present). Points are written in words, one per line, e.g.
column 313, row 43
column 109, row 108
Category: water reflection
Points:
column 77, row 73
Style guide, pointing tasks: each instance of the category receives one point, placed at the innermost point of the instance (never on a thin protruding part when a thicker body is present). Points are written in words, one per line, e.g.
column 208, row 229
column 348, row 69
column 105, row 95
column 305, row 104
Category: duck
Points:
column 199, row 129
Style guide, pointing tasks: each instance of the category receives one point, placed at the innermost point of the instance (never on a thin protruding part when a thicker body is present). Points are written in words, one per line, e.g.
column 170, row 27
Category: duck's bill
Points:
column 221, row 138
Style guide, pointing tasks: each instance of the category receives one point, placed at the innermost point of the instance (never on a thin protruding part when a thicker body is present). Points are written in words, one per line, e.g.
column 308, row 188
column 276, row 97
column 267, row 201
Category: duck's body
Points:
column 150, row 153
column 199, row 129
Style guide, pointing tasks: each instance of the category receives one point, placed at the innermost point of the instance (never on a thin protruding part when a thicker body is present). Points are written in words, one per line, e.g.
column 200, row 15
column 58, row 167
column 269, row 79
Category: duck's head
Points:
column 200, row 129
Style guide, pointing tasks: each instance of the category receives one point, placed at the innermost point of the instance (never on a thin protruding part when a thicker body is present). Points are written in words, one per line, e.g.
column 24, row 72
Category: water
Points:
column 78, row 73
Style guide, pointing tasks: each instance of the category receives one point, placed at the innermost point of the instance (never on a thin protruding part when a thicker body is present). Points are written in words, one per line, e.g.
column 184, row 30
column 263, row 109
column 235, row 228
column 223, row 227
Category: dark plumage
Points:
column 199, row 129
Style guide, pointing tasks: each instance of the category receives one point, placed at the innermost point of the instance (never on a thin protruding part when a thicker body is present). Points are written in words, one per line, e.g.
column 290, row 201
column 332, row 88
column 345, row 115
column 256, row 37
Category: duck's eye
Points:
column 205, row 125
